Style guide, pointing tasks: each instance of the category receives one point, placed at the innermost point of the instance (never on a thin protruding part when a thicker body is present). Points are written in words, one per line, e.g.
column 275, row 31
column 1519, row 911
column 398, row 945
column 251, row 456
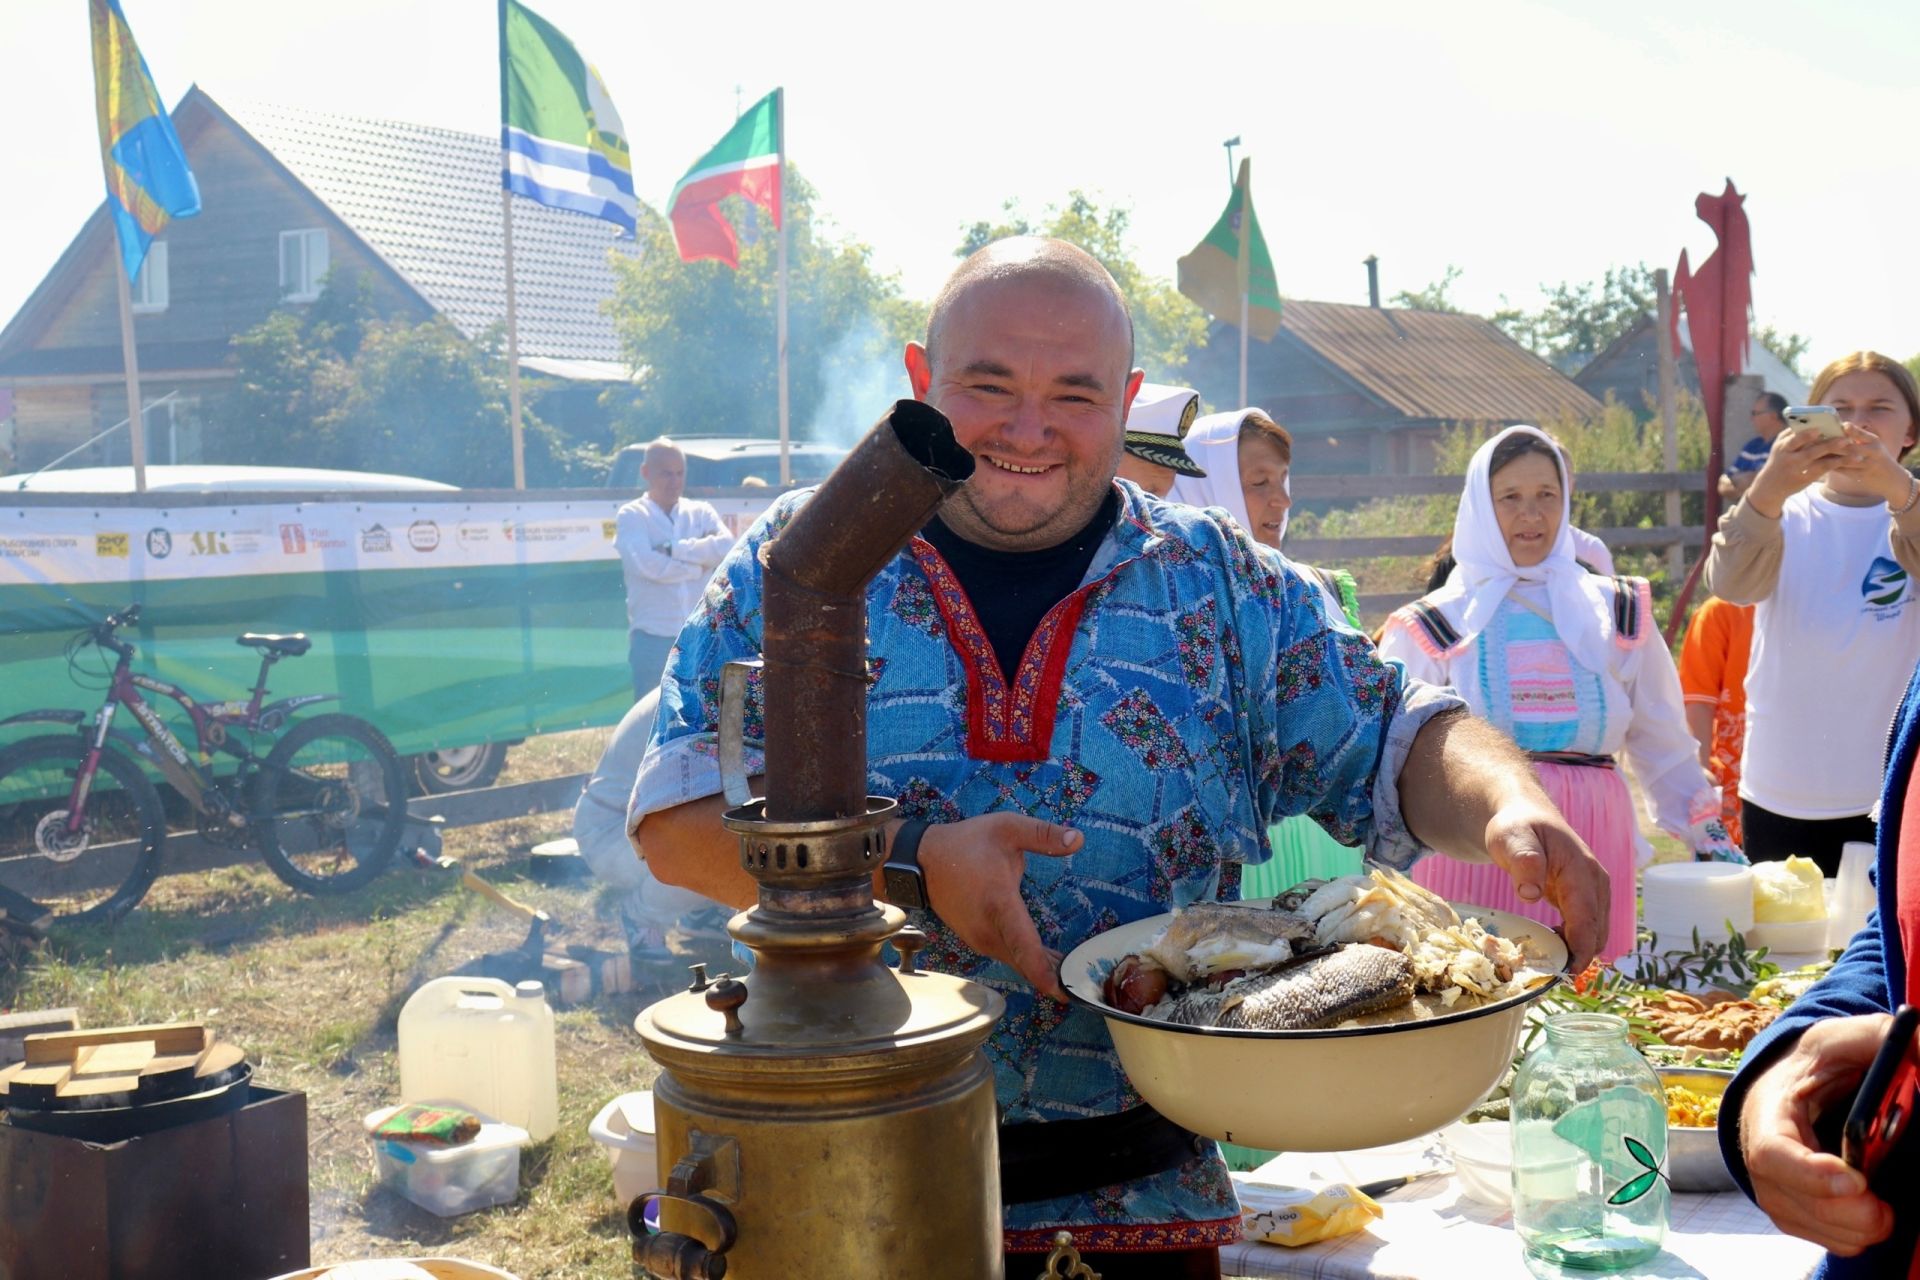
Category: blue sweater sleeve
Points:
column 1857, row 984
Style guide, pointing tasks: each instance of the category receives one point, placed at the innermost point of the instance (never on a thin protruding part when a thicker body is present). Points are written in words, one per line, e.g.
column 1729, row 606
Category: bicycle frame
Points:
column 211, row 722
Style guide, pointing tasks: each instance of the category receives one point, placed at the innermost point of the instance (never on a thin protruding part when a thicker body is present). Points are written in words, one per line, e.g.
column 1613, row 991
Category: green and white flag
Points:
column 1233, row 262
column 561, row 141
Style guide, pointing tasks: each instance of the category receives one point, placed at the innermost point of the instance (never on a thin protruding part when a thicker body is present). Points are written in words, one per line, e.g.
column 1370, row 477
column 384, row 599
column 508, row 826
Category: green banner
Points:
column 437, row 657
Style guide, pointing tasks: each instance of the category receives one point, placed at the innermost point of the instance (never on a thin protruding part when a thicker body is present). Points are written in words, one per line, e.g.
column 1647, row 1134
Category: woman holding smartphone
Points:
column 1568, row 662
column 1826, row 543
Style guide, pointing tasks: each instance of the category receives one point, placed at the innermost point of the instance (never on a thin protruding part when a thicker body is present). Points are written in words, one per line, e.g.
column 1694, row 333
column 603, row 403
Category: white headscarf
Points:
column 1484, row 571
column 1214, row 443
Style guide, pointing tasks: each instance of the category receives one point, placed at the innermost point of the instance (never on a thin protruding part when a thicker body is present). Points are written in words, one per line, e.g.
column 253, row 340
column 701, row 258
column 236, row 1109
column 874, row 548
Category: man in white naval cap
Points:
column 1153, row 454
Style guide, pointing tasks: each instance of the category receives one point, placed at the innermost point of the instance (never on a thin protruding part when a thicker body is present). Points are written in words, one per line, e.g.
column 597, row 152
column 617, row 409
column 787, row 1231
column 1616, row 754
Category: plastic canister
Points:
column 484, row 1044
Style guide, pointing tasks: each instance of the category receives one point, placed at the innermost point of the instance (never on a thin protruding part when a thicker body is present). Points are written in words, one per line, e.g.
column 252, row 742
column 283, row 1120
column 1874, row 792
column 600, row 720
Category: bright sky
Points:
column 1523, row 142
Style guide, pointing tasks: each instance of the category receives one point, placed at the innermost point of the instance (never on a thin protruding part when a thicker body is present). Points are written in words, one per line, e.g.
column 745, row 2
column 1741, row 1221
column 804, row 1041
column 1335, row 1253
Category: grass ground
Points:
column 312, row 988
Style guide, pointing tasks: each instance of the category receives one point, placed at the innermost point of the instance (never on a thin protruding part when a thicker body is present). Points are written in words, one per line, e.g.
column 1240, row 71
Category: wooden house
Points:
column 288, row 195
column 1370, row 389
column 1629, row 370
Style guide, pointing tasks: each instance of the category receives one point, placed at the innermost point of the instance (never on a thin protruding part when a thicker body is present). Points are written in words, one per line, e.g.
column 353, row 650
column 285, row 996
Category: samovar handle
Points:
column 669, row 1255
column 733, row 738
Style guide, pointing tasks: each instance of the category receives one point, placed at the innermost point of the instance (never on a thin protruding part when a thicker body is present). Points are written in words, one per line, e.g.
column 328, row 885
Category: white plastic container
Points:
column 624, row 1128
column 484, row 1045
column 450, row 1181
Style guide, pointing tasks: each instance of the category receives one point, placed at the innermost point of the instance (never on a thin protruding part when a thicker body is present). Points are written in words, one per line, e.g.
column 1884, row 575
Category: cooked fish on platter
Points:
column 1368, row 947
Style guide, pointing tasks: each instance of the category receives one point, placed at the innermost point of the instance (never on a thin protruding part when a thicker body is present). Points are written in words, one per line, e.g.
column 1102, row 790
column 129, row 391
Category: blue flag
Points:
column 148, row 182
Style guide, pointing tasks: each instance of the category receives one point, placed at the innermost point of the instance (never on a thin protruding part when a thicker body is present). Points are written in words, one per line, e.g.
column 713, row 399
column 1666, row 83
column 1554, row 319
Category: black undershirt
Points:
column 1011, row 591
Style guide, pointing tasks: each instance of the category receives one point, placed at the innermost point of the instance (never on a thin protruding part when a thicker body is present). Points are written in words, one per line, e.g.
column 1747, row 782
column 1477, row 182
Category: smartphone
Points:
column 1880, row 1125
column 1816, row 418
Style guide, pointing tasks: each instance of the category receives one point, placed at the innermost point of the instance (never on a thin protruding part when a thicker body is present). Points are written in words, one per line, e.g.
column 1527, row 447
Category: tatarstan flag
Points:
column 745, row 163
column 1233, row 261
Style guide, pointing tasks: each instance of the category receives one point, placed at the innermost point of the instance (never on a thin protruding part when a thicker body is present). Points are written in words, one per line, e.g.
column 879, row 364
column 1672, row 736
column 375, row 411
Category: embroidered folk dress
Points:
column 1187, row 695
column 1519, row 674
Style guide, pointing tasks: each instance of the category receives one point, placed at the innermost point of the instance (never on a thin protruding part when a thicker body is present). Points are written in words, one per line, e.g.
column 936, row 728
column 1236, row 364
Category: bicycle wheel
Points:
column 332, row 803
column 98, row 871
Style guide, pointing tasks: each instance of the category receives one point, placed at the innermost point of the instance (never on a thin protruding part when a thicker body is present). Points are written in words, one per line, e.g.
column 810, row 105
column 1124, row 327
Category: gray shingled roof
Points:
column 428, row 201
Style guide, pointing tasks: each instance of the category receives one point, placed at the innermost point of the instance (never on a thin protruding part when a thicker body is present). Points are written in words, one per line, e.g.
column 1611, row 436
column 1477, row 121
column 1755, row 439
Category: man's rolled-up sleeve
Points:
column 1389, row 841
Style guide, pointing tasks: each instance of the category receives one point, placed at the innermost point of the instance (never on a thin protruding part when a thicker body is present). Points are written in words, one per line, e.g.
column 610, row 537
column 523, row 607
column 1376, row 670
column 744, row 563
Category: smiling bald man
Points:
column 1090, row 705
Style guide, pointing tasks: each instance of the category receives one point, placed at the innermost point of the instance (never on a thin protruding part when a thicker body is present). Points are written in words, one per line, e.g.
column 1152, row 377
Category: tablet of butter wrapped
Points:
column 1790, row 891
column 1302, row 1215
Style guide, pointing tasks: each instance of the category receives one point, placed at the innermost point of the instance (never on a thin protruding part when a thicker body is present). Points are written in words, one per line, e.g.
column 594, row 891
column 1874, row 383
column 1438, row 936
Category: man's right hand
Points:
column 972, row 870
column 1808, row 1192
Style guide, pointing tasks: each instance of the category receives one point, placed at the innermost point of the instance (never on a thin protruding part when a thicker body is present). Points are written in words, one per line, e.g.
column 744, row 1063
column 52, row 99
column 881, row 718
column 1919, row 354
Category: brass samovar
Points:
column 827, row 1117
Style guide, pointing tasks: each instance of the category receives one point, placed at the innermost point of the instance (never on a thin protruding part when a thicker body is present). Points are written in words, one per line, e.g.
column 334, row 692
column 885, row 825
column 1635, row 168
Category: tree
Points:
column 1433, row 297
column 1167, row 326
column 336, row 385
column 701, row 334
column 1789, row 347
column 1579, row 320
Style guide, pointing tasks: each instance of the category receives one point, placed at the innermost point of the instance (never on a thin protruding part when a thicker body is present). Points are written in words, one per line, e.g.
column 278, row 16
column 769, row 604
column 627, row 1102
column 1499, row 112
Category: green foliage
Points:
column 1791, row 348
column 1435, row 297
column 1167, row 326
column 702, row 334
column 335, row 385
column 1579, row 320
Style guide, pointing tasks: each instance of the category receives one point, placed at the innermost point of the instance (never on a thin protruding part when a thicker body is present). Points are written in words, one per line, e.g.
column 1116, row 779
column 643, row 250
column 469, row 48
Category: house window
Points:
column 150, row 286
column 303, row 264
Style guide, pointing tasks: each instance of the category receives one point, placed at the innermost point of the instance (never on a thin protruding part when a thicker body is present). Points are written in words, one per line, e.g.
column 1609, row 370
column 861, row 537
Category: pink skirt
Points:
column 1599, row 807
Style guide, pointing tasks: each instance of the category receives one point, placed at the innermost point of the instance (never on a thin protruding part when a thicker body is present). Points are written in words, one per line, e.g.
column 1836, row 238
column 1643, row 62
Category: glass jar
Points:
column 1589, row 1150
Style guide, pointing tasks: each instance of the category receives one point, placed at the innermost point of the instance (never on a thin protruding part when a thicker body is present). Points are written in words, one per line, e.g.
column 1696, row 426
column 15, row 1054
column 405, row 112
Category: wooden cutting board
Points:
column 118, row 1066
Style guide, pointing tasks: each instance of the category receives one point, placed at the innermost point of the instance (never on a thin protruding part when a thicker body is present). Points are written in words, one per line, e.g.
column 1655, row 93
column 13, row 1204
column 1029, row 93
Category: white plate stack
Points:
column 1677, row 898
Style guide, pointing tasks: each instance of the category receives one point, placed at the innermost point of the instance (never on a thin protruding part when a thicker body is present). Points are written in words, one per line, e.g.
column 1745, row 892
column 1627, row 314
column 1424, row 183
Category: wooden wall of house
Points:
column 224, row 263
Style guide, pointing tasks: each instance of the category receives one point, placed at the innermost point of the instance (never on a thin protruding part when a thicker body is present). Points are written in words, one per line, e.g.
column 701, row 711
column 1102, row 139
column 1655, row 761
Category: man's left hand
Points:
column 1533, row 844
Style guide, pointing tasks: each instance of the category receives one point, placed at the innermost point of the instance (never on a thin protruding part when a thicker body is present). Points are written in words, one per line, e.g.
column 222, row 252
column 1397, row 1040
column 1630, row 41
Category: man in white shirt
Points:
column 669, row 546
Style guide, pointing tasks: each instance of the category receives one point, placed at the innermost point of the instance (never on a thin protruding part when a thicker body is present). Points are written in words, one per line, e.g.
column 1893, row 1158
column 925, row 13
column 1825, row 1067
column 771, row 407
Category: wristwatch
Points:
column 906, row 886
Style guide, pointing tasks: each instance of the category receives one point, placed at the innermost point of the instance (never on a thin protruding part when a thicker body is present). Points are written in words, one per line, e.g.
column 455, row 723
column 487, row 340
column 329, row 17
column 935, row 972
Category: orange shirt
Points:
column 1713, row 671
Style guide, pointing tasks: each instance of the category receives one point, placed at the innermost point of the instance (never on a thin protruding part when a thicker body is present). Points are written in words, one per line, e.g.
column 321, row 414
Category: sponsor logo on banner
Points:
column 293, row 539
column 608, row 528
column 114, row 545
column 475, row 535
column 524, row 531
column 376, row 539
column 29, row 546
column 211, row 543
column 159, row 543
column 323, row 539
column 423, row 535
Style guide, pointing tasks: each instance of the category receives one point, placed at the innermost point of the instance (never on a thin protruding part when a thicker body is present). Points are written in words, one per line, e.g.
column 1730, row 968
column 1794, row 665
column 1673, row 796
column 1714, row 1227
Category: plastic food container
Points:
column 624, row 1129
column 1482, row 1157
column 450, row 1181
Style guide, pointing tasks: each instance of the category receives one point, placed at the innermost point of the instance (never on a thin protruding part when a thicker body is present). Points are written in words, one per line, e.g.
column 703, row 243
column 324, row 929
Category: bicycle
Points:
column 82, row 828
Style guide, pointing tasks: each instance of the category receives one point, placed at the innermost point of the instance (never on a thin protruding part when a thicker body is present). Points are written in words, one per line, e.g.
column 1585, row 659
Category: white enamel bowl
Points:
column 1332, row 1090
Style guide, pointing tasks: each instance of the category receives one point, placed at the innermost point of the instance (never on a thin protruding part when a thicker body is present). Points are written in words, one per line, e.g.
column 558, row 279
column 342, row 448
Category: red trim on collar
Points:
column 1006, row 724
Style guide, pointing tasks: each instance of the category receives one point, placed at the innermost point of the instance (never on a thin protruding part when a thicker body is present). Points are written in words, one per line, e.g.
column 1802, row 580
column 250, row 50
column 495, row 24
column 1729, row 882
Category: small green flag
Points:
column 1232, row 261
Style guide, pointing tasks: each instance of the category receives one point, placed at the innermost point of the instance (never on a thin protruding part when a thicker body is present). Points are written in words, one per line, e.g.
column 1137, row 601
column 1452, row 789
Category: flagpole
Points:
column 513, row 312
column 513, row 348
column 136, row 418
column 780, row 316
column 1245, row 185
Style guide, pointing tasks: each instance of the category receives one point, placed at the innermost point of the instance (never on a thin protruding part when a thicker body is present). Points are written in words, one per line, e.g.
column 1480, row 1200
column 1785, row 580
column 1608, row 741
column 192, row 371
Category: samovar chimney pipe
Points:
column 814, row 611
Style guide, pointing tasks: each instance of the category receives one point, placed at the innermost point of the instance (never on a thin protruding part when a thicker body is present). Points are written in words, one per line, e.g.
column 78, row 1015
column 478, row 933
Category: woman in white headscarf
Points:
column 1248, row 458
column 1568, row 662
